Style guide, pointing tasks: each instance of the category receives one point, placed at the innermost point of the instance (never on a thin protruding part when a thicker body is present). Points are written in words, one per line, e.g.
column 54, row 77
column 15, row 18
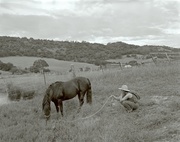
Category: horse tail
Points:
column 89, row 93
column 44, row 101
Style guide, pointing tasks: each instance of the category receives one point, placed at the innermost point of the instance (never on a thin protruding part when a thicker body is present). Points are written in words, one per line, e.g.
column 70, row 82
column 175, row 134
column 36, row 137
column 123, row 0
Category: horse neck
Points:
column 47, row 98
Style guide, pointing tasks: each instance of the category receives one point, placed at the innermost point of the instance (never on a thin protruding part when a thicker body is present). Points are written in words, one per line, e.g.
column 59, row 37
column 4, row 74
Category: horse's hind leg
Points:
column 81, row 100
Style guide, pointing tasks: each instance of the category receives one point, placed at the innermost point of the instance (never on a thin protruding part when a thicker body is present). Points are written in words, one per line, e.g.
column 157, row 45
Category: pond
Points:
column 3, row 99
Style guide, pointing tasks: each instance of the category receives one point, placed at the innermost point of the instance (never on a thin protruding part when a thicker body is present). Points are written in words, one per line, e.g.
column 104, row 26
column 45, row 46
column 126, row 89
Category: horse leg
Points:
column 57, row 108
column 81, row 100
column 56, row 105
column 61, row 106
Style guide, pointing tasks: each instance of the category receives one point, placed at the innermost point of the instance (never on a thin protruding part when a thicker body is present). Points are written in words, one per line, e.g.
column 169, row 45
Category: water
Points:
column 3, row 99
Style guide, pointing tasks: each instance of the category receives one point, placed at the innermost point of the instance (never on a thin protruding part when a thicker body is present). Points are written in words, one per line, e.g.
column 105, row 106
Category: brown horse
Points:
column 60, row 91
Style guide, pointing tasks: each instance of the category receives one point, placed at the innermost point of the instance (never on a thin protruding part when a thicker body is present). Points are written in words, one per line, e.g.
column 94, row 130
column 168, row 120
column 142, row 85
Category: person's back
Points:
column 135, row 97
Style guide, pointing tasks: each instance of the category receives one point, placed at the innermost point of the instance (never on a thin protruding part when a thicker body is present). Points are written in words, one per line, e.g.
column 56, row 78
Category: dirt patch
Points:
column 159, row 99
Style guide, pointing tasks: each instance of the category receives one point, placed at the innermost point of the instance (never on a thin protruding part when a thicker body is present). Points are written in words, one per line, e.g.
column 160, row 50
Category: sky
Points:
column 139, row 22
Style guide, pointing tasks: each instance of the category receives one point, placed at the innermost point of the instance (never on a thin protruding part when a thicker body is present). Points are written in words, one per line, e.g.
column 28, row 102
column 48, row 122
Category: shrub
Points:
column 26, row 95
column 16, row 93
column 34, row 69
column 15, row 70
column 40, row 63
column 5, row 67
column 46, row 70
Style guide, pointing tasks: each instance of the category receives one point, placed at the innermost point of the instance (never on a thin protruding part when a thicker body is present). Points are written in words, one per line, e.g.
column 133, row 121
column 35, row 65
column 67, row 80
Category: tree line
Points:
column 72, row 50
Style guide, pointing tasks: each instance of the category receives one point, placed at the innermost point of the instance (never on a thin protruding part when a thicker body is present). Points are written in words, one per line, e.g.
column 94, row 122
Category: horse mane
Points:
column 47, row 96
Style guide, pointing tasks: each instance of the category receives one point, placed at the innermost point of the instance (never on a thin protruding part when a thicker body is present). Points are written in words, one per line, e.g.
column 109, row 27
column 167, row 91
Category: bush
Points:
column 40, row 63
column 34, row 69
column 27, row 95
column 5, row 67
column 15, row 93
column 100, row 62
column 15, row 70
column 46, row 70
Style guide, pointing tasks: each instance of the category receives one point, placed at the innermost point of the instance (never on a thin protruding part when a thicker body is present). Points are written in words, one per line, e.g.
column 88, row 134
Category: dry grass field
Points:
column 54, row 65
column 156, row 120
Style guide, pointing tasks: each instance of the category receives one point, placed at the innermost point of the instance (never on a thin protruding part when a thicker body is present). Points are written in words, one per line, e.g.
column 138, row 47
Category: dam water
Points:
column 4, row 99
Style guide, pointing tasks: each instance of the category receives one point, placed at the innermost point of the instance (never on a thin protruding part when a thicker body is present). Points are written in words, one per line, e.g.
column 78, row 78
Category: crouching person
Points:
column 128, row 99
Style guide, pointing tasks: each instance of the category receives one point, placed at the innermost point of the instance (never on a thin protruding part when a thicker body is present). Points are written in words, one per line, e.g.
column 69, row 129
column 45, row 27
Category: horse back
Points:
column 76, row 85
column 82, row 83
column 69, row 89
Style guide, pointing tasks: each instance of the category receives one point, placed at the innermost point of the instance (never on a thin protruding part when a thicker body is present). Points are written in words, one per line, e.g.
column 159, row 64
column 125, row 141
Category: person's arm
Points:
column 117, row 98
column 128, row 95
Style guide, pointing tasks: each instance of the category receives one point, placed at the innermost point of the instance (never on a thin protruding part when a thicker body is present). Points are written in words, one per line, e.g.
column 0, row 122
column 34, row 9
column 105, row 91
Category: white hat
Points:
column 124, row 88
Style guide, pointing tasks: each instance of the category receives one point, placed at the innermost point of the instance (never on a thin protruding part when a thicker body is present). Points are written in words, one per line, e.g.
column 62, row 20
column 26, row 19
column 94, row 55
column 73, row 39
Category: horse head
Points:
column 46, row 110
column 46, row 104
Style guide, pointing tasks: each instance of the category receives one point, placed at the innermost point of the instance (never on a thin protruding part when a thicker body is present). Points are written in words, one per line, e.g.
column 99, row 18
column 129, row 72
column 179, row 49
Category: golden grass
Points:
column 157, row 118
column 54, row 65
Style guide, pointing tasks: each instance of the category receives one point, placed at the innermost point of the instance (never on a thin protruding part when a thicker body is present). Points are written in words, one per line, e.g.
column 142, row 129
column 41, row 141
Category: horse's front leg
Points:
column 57, row 108
column 60, row 102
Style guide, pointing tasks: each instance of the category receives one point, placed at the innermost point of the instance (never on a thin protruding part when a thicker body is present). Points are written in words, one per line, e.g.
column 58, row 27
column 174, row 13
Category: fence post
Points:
column 73, row 71
column 154, row 60
column 101, row 68
column 168, row 57
column 44, row 77
column 120, row 65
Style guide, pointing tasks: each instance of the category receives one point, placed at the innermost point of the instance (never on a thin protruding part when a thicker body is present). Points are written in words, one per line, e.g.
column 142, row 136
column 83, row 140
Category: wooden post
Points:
column 73, row 71
column 101, row 68
column 120, row 65
column 154, row 60
column 44, row 77
column 168, row 57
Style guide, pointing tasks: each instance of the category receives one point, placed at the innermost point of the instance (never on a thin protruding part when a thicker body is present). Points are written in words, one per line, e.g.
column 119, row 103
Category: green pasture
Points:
column 156, row 120
column 54, row 65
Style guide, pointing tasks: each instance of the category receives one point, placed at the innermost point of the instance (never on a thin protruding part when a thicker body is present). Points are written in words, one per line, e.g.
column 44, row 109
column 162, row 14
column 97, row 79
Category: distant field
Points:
column 54, row 65
column 125, row 59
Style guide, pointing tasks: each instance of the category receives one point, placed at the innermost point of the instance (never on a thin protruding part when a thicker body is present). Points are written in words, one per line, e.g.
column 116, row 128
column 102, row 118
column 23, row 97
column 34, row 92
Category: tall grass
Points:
column 153, row 121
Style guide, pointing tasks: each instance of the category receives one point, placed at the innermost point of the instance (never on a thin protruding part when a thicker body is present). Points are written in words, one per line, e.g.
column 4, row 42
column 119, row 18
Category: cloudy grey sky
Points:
column 140, row 22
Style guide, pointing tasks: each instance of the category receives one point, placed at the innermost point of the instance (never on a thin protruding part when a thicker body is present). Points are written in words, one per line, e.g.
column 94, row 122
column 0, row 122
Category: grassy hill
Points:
column 73, row 51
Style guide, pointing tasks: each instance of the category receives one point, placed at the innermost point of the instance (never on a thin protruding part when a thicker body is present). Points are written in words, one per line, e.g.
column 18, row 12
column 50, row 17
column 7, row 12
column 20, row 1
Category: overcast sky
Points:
column 140, row 22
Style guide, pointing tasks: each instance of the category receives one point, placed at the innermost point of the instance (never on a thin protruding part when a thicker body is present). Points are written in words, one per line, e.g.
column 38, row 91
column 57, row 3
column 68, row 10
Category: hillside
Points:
column 72, row 51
